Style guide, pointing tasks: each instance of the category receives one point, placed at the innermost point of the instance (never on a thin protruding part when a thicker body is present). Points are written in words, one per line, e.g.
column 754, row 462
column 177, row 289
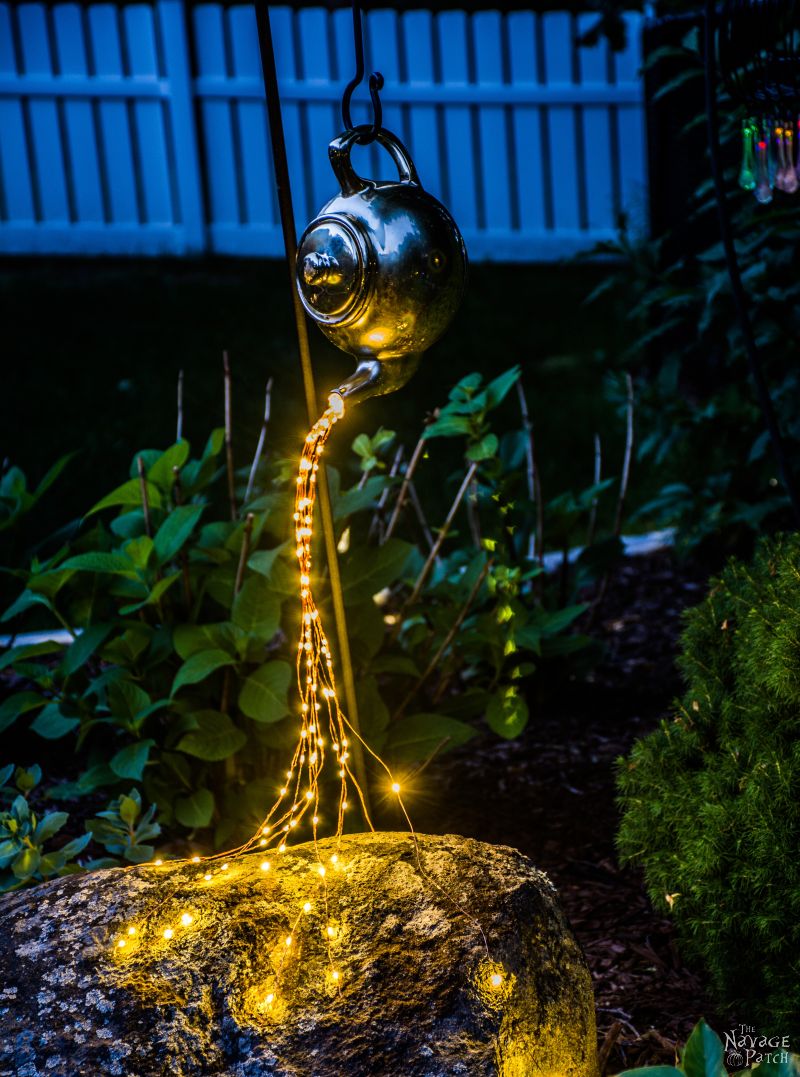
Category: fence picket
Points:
column 111, row 142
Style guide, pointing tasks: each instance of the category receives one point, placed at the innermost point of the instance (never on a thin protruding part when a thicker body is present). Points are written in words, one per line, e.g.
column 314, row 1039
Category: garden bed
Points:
column 551, row 794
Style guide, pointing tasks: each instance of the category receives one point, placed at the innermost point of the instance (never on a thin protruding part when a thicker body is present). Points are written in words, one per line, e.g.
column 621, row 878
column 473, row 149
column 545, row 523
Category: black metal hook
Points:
column 375, row 85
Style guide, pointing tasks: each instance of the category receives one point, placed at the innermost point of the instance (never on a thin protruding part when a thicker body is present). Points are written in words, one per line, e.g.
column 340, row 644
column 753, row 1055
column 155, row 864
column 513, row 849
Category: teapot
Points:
column 381, row 269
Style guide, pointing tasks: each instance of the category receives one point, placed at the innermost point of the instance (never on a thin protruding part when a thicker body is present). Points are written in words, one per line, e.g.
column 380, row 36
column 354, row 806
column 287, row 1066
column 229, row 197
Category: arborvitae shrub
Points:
column 711, row 800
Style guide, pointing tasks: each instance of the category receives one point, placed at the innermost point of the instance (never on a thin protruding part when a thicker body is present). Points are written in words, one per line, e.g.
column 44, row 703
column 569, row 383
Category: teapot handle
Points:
column 349, row 180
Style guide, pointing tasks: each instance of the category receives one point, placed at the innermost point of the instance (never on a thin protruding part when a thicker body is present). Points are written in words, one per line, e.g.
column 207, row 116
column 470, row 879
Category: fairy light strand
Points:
column 324, row 733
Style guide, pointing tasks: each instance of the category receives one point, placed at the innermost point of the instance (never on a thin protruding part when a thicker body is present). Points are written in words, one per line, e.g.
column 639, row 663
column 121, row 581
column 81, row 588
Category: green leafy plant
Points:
column 709, row 800
column 703, row 1056
column 180, row 618
column 25, row 852
column 705, row 444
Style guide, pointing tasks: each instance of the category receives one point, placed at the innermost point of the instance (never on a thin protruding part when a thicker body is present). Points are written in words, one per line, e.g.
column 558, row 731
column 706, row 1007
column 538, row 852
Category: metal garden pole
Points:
column 284, row 189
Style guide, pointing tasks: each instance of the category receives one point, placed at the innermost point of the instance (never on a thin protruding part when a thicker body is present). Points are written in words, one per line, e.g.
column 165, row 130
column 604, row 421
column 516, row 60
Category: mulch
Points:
column 551, row 794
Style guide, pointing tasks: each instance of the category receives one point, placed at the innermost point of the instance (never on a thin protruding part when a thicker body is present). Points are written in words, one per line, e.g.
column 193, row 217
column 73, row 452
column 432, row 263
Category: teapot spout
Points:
column 376, row 377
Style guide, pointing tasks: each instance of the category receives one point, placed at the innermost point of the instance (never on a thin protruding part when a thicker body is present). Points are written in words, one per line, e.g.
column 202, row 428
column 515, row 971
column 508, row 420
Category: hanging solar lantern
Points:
column 759, row 60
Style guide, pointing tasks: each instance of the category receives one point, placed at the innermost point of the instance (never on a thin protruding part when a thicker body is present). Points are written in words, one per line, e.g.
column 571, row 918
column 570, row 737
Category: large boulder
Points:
column 400, row 986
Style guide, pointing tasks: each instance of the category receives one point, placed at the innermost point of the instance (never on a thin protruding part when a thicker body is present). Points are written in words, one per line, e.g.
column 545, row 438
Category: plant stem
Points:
column 375, row 524
column 448, row 639
column 416, row 456
column 226, row 368
column 262, row 437
column 598, row 473
column 426, row 568
column 413, row 497
column 535, row 544
column 179, row 424
column 148, row 530
column 472, row 514
column 183, row 557
column 626, row 462
column 244, row 553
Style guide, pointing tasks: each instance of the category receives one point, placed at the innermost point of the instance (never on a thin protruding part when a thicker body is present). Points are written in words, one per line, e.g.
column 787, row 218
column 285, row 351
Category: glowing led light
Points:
column 315, row 820
column 307, row 907
column 321, row 869
column 288, row 940
column 269, row 999
column 265, row 830
column 265, row 865
column 496, row 979
column 395, row 787
column 334, row 859
column 335, row 975
column 186, row 919
column 168, row 932
column 309, row 795
column 207, row 878
column 195, row 859
column 158, row 863
column 121, row 943
column 330, row 931
column 131, row 930
column 225, row 867
column 281, row 848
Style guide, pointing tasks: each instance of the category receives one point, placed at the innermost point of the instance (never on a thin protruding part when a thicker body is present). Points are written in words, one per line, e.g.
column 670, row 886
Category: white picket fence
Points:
column 141, row 128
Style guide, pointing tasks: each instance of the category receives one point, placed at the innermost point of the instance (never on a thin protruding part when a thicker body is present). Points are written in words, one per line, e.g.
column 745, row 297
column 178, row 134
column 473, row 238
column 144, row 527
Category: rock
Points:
column 225, row 994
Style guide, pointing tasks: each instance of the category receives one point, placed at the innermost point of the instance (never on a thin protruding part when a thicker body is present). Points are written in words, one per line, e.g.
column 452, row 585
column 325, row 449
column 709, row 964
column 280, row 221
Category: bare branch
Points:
column 416, row 456
column 598, row 474
column 148, row 529
column 626, row 462
column 179, row 424
column 262, row 437
column 226, row 368
column 375, row 524
column 426, row 568
column 413, row 497
column 535, row 539
column 183, row 557
column 448, row 639
column 245, row 552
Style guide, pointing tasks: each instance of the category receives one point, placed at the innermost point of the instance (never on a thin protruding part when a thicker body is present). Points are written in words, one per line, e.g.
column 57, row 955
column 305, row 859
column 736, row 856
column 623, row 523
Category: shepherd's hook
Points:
column 375, row 85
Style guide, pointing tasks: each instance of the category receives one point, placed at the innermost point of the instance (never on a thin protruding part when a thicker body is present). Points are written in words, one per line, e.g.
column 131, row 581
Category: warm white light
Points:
column 269, row 999
column 121, row 942
column 131, row 930
column 195, row 859
column 307, row 907
column 186, row 919
column 395, row 787
column 497, row 979
column 265, row 865
column 207, row 878
column 288, row 940
column 168, row 933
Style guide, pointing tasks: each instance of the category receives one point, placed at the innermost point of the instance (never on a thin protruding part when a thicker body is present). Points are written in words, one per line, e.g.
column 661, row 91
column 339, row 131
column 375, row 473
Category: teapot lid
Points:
column 332, row 269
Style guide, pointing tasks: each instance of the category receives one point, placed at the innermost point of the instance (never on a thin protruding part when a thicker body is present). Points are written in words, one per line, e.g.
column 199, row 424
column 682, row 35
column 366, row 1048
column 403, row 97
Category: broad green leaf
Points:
column 154, row 595
column 373, row 713
column 215, row 738
column 497, row 389
column 448, row 426
column 653, row 1071
column 130, row 493
column 77, row 845
column 27, row 863
column 161, row 472
column 49, row 826
column 24, row 602
column 200, row 666
column 83, row 648
column 257, row 609
column 264, row 696
column 130, row 762
column 273, row 564
column 189, row 639
column 399, row 664
column 126, row 699
column 116, row 564
column 485, row 449
column 195, row 810
column 29, row 650
column 414, row 738
column 17, row 705
column 507, row 713
column 51, row 724
column 702, row 1055
column 175, row 531
column 129, row 808
column 365, row 572
column 356, row 499
column 139, row 550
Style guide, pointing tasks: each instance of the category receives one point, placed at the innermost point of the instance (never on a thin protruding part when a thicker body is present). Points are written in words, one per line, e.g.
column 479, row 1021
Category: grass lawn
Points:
column 93, row 350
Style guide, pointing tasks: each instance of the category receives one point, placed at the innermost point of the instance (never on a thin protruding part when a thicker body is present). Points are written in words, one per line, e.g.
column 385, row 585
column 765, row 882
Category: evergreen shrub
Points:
column 711, row 800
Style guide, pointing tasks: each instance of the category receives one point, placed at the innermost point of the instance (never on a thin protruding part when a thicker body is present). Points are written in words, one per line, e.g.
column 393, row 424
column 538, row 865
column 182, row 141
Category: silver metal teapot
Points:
column 381, row 269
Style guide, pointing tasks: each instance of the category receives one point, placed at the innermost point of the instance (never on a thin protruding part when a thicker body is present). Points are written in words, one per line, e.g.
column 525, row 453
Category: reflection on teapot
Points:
column 381, row 269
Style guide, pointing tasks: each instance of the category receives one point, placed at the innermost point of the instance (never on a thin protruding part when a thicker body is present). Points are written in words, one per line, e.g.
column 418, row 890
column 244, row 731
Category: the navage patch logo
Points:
column 744, row 1046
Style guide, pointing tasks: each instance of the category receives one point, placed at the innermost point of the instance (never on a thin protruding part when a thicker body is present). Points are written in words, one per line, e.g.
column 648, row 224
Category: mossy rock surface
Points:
column 225, row 995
